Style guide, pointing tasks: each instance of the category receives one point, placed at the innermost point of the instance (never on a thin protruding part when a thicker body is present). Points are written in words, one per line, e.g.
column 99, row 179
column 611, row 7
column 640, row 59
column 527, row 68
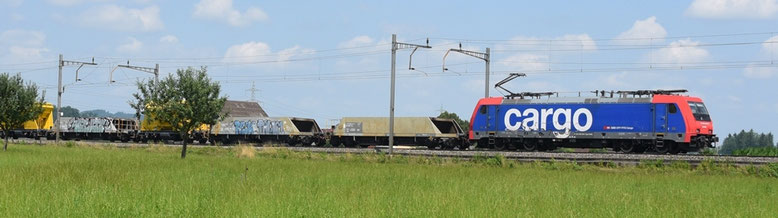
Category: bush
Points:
column 708, row 152
column 70, row 144
column 757, row 151
column 497, row 161
column 681, row 165
column 651, row 164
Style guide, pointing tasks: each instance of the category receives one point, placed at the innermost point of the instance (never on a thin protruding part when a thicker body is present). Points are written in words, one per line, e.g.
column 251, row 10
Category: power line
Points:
column 605, row 39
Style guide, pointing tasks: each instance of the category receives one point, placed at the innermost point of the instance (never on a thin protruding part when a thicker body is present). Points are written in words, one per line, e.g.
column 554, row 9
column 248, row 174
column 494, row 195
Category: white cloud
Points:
column 11, row 3
column 728, row 9
column 224, row 11
column 123, row 19
column 358, row 41
column 132, row 46
column 169, row 39
column 643, row 32
column 579, row 41
column 247, row 52
column 286, row 54
column 771, row 45
column 759, row 72
column 527, row 62
column 260, row 52
column 680, row 52
column 72, row 2
column 23, row 44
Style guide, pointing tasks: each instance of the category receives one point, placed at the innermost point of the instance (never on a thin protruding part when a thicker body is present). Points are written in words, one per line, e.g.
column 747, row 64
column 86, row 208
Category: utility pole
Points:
column 62, row 63
column 397, row 46
column 150, row 70
column 483, row 56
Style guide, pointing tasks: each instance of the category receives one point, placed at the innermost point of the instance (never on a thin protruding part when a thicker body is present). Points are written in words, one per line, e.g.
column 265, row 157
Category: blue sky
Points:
column 329, row 59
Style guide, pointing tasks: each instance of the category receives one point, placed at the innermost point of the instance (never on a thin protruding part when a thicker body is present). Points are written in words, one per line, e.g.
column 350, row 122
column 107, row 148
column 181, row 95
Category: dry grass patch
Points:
column 245, row 151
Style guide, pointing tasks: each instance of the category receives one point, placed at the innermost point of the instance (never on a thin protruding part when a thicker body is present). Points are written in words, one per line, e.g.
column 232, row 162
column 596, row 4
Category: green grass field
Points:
column 59, row 181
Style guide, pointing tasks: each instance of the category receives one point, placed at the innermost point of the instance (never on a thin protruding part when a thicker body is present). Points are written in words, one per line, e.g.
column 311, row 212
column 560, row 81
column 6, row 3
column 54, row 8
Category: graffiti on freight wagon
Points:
column 253, row 126
column 87, row 125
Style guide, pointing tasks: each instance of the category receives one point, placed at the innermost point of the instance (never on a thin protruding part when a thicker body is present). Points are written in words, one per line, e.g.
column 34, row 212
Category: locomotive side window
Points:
column 699, row 111
column 672, row 108
column 482, row 110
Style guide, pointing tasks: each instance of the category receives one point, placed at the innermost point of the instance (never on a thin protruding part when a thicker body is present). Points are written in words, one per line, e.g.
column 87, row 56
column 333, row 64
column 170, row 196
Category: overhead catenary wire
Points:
column 561, row 66
column 607, row 39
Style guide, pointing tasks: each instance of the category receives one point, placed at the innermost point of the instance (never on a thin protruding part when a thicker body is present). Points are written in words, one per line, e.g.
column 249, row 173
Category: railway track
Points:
column 578, row 157
column 616, row 158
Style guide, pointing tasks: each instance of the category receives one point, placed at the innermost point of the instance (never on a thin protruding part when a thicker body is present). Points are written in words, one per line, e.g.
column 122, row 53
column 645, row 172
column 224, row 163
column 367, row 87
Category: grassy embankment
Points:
column 59, row 181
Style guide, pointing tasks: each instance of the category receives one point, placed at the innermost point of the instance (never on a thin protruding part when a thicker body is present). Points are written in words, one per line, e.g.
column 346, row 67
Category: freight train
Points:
column 661, row 121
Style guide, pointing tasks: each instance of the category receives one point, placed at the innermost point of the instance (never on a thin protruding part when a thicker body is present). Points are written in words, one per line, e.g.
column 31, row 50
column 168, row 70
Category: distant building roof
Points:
column 243, row 109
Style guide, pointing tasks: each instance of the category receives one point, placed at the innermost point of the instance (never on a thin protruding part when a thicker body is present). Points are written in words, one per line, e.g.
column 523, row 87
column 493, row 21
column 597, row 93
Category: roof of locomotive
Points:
column 577, row 100
column 623, row 99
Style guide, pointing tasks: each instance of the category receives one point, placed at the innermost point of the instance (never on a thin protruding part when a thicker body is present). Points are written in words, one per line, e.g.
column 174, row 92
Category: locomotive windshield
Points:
column 699, row 111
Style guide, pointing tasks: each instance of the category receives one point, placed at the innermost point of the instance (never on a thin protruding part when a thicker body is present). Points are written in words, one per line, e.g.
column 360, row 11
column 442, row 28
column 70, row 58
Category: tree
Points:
column 185, row 101
column 67, row 111
column 743, row 140
column 88, row 114
column 18, row 103
column 464, row 124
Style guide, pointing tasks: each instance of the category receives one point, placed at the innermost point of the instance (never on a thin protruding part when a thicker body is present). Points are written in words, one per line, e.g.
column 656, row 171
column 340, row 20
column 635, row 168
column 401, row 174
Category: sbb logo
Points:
column 534, row 119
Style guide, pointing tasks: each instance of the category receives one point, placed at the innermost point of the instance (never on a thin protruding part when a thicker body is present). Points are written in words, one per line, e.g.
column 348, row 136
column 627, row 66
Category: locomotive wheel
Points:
column 529, row 146
column 673, row 148
column 499, row 146
column 662, row 150
column 627, row 147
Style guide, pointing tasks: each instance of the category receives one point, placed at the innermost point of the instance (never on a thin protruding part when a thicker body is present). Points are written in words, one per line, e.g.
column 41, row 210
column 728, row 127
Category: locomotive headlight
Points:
column 698, row 130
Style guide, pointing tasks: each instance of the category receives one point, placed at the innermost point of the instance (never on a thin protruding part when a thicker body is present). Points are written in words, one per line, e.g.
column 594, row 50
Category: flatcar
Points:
column 101, row 128
column 434, row 133
column 631, row 121
column 289, row 130
column 37, row 128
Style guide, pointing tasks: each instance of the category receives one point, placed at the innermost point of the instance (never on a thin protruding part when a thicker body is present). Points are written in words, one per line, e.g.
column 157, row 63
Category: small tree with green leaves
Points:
column 186, row 101
column 19, row 103
column 462, row 123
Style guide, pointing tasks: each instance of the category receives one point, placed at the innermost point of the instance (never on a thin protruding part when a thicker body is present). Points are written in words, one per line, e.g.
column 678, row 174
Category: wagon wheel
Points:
column 464, row 146
column 334, row 142
column 449, row 145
